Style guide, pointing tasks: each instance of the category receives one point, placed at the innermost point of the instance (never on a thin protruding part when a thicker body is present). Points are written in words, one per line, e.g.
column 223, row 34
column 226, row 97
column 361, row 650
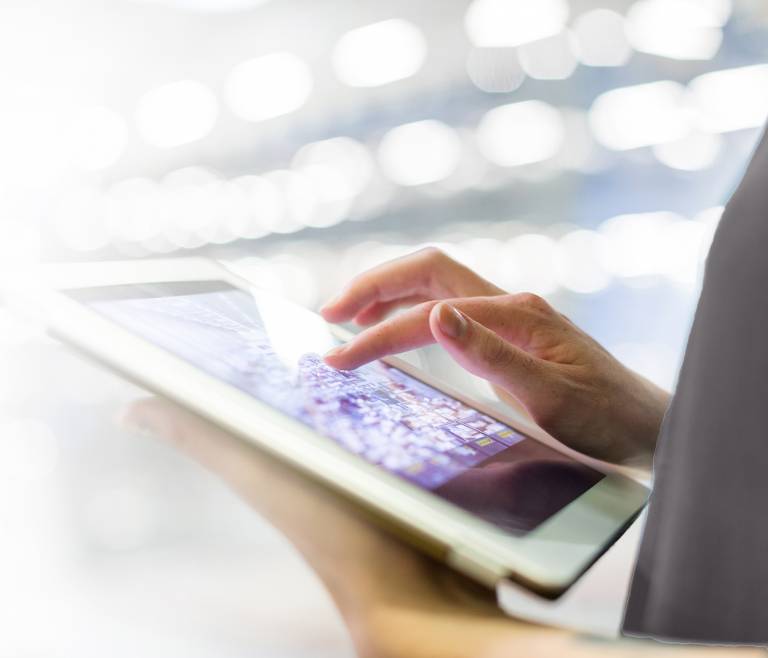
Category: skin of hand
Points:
column 569, row 384
column 395, row 602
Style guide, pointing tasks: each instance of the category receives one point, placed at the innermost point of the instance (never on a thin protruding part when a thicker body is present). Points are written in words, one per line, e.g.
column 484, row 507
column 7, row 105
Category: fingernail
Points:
column 452, row 322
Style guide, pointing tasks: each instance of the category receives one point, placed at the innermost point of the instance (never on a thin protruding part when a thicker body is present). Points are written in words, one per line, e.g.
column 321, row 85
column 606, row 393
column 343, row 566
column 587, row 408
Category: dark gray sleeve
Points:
column 702, row 572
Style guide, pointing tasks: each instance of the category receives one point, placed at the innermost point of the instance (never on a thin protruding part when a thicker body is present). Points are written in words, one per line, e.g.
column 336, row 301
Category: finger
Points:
column 294, row 503
column 428, row 273
column 395, row 279
column 214, row 448
column 377, row 311
column 270, row 486
column 410, row 330
column 484, row 353
column 401, row 333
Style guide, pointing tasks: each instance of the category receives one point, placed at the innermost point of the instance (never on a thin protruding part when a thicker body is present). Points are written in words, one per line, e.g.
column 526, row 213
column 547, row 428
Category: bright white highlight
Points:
column 420, row 152
column 642, row 115
column 521, row 133
column 495, row 70
column 601, row 39
column 732, row 99
column 505, row 23
column 347, row 165
column 209, row 6
column 695, row 151
column 380, row 53
column 678, row 29
column 269, row 86
column 636, row 244
column 29, row 451
column 551, row 58
column 177, row 113
column 265, row 201
column 531, row 263
column 99, row 137
column 579, row 262
column 299, row 196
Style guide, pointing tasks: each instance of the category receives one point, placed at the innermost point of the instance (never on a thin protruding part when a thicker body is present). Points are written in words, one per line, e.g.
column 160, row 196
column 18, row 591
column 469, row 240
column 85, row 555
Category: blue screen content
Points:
column 377, row 412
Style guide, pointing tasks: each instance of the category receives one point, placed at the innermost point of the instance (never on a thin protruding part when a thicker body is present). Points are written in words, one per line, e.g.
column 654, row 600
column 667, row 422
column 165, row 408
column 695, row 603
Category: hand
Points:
column 571, row 386
column 395, row 602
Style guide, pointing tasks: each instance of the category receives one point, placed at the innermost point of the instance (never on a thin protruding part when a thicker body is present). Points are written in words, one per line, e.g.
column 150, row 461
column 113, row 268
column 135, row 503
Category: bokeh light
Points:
column 99, row 137
column 269, row 86
column 731, row 99
column 551, row 58
column 176, row 113
column 640, row 115
column 500, row 23
column 697, row 150
column 580, row 150
column 495, row 70
column 380, row 53
column 677, row 29
column 521, row 133
column 601, row 39
column 419, row 153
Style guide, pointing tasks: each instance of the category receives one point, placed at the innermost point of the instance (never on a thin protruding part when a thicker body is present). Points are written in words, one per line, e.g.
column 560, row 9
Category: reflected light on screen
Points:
column 521, row 133
column 419, row 153
column 293, row 331
column 269, row 86
column 380, row 53
column 177, row 113
column 504, row 23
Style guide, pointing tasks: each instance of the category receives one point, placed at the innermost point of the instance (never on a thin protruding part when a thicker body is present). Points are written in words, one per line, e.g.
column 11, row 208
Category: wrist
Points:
column 646, row 413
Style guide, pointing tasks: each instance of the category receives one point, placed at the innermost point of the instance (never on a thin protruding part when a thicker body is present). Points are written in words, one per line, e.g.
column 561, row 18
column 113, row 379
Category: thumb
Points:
column 486, row 354
column 209, row 445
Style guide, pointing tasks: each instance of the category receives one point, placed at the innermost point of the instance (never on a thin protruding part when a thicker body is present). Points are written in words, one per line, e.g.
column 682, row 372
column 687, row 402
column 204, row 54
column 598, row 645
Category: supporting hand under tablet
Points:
column 395, row 602
column 571, row 386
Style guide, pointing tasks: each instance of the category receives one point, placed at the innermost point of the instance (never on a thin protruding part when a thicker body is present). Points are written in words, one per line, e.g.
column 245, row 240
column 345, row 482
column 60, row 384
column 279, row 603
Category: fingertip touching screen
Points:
column 271, row 349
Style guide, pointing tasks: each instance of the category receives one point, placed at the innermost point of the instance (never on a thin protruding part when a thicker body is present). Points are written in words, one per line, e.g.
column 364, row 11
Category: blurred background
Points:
column 579, row 149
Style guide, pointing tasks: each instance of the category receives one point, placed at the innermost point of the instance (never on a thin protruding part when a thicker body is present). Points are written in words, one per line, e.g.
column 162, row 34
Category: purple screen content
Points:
column 378, row 412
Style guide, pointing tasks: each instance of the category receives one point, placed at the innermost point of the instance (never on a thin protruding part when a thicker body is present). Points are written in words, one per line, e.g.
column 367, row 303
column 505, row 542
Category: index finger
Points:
column 411, row 330
column 396, row 279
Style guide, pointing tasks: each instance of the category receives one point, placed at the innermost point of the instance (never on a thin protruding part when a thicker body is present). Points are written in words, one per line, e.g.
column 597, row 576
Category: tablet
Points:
column 454, row 478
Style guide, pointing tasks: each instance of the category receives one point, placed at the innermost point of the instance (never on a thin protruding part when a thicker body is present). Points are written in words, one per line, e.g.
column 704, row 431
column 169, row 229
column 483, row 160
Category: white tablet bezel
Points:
column 547, row 559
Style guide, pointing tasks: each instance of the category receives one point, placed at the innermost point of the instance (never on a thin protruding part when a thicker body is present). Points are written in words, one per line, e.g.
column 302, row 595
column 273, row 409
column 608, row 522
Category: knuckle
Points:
column 432, row 254
column 436, row 258
column 532, row 301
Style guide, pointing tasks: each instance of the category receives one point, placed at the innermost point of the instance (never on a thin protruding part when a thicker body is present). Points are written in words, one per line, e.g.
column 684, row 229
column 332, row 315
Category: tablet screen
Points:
column 272, row 350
